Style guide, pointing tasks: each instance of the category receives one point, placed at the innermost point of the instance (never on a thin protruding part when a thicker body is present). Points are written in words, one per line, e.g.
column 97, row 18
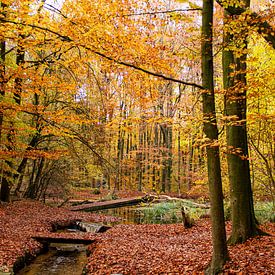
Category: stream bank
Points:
column 20, row 220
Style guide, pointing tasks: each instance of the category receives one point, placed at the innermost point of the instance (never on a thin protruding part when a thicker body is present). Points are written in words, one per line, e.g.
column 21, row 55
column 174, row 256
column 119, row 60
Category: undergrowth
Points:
column 264, row 211
column 168, row 212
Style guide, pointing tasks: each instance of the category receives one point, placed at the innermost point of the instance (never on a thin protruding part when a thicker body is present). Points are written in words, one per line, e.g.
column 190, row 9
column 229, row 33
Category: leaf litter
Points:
column 131, row 249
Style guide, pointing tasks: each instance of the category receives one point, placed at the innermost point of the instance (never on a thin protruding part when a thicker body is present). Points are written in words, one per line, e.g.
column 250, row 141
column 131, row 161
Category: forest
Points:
column 159, row 97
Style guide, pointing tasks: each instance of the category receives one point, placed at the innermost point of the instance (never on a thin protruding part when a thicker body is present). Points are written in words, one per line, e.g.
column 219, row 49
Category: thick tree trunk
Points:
column 243, row 217
column 220, row 253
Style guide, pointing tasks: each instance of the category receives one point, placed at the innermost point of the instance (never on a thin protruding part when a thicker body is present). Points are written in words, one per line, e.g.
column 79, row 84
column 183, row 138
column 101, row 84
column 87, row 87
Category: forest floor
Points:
column 131, row 249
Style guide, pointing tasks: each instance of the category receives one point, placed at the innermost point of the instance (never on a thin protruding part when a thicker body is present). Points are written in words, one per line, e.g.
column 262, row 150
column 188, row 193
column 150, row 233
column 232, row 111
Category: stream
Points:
column 70, row 259
column 61, row 259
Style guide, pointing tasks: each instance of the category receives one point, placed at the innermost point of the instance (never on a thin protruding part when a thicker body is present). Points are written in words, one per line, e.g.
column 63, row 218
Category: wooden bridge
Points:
column 79, row 238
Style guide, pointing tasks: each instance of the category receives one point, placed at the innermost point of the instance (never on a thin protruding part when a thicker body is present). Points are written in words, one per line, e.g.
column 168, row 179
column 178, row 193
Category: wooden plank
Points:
column 63, row 240
column 110, row 204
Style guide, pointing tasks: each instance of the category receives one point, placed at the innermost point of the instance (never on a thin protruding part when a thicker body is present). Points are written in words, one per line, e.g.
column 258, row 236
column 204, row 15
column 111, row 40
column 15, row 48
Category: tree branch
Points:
column 124, row 63
column 161, row 12
column 263, row 27
column 159, row 75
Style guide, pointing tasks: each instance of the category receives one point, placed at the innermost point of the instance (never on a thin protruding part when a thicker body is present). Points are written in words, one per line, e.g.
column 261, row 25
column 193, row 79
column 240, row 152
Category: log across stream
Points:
column 66, row 250
column 68, row 255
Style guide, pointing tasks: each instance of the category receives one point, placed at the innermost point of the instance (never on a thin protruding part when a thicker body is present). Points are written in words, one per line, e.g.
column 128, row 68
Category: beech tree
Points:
column 220, row 253
column 244, row 223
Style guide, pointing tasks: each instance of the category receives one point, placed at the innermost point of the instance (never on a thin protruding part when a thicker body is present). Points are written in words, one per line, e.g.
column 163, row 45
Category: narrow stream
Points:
column 61, row 259
column 70, row 259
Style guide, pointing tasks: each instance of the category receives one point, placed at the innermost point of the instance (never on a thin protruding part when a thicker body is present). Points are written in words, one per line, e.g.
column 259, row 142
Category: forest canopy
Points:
column 111, row 92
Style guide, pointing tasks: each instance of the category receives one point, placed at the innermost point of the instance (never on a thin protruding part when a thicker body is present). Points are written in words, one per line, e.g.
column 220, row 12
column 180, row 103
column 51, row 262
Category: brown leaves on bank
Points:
column 171, row 249
column 131, row 249
column 21, row 220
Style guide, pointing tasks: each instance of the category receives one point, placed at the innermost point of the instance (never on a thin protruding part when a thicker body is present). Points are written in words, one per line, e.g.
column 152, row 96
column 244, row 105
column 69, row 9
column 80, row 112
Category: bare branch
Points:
column 159, row 75
column 161, row 12
column 124, row 63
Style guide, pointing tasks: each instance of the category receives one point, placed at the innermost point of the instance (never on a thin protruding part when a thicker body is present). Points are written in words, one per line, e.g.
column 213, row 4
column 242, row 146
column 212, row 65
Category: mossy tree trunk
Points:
column 234, row 78
column 220, row 253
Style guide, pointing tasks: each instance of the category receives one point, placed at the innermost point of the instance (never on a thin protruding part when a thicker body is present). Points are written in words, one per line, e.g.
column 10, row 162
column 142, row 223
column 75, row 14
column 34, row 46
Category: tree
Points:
column 234, row 78
column 220, row 253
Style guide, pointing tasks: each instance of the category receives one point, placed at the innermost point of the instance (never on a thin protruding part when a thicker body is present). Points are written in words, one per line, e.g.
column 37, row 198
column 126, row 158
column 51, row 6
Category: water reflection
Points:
column 129, row 215
column 158, row 214
column 61, row 259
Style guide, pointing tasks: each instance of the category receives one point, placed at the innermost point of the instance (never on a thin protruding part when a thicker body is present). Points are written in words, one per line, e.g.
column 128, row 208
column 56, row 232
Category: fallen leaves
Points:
column 171, row 249
column 21, row 220
column 131, row 249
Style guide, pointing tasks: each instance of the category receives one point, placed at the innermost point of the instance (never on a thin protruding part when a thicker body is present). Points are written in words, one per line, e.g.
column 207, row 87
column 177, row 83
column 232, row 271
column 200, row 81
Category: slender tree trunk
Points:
column 220, row 253
column 33, row 187
column 140, row 158
column 169, row 156
column 234, row 79
column 5, row 188
column 189, row 164
column 179, row 164
column 22, row 165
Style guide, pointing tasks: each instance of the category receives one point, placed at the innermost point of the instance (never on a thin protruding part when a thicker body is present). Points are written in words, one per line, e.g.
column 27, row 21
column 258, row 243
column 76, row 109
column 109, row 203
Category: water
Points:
column 70, row 259
column 144, row 214
column 61, row 259
column 128, row 214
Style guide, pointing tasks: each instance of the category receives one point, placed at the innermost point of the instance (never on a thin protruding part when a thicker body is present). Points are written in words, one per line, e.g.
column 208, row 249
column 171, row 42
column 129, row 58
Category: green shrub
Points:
column 227, row 211
column 265, row 212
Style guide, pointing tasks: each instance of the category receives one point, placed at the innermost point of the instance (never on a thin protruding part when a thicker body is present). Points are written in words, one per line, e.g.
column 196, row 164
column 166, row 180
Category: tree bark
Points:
column 5, row 186
column 234, row 80
column 220, row 253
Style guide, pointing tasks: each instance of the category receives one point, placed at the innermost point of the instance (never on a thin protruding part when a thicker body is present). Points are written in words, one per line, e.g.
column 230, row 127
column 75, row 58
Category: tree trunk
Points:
column 220, row 253
column 241, row 197
column 179, row 164
column 5, row 189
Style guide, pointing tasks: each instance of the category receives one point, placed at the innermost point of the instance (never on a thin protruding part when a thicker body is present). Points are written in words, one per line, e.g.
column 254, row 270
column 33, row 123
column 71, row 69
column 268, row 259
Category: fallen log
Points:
column 92, row 227
column 189, row 203
column 111, row 204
